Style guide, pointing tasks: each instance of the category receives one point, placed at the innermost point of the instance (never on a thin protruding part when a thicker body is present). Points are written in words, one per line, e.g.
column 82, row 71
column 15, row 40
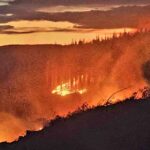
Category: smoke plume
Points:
column 29, row 74
column 146, row 71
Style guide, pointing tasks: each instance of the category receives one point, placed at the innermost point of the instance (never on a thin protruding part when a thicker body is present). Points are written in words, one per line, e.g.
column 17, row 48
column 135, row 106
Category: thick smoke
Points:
column 28, row 74
column 146, row 71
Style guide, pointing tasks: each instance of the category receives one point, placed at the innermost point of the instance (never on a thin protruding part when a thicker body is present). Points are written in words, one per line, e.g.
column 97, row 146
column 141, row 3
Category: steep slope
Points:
column 124, row 126
column 30, row 73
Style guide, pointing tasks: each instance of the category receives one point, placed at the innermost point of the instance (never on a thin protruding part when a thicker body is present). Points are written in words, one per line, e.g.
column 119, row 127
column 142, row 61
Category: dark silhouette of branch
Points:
column 113, row 94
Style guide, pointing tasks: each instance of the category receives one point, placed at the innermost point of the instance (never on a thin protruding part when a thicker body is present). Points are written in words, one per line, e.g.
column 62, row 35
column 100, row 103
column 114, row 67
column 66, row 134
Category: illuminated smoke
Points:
column 146, row 71
column 33, row 78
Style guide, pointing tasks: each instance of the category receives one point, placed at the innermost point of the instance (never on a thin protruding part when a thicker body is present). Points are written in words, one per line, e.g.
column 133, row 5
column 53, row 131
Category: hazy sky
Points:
column 20, row 19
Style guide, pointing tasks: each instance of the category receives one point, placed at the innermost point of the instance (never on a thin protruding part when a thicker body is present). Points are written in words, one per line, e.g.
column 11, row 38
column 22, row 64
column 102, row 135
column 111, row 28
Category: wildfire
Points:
column 66, row 89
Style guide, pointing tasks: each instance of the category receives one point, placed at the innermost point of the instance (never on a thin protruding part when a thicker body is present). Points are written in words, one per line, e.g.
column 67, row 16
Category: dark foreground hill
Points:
column 124, row 126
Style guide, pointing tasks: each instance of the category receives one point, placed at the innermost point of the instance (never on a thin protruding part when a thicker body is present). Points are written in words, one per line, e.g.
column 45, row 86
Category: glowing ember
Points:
column 82, row 91
column 66, row 89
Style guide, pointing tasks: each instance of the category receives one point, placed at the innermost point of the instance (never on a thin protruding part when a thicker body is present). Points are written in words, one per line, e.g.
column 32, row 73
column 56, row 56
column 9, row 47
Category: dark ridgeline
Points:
column 123, row 126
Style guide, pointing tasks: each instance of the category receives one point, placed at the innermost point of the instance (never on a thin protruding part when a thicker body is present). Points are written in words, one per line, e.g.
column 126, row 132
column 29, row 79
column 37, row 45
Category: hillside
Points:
column 32, row 72
column 124, row 126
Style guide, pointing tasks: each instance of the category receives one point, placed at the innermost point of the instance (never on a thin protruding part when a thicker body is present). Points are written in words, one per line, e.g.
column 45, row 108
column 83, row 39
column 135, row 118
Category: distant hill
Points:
column 124, row 126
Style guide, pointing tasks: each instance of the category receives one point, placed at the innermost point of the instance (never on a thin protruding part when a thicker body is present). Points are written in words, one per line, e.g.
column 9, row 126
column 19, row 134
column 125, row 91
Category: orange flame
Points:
column 66, row 89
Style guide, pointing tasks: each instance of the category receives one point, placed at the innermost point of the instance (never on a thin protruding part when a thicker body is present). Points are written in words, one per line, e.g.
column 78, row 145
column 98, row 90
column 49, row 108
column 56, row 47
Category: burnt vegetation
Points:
column 121, row 126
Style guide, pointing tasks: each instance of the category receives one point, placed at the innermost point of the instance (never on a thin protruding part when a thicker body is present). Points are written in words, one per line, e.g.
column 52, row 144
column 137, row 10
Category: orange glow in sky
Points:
column 48, row 32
